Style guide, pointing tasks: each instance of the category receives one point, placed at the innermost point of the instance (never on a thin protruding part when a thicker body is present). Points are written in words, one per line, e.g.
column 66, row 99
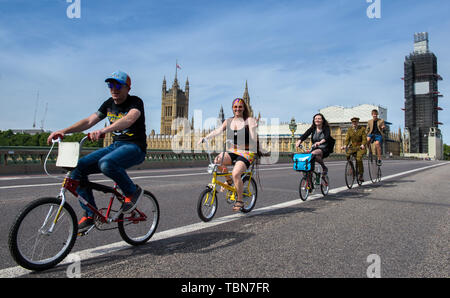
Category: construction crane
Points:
column 35, row 110
column 43, row 118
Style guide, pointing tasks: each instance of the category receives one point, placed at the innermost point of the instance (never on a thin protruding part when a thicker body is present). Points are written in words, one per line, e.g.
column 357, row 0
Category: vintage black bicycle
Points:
column 351, row 171
column 372, row 164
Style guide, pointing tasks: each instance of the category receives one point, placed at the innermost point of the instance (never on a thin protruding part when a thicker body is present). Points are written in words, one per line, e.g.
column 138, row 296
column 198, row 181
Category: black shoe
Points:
column 85, row 223
column 379, row 162
column 130, row 203
column 361, row 178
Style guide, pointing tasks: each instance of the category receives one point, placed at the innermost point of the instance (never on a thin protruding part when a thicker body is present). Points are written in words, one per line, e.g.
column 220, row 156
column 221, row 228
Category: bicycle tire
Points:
column 325, row 185
column 251, row 202
column 205, row 209
column 349, row 174
column 379, row 174
column 21, row 252
column 303, row 189
column 372, row 166
column 130, row 225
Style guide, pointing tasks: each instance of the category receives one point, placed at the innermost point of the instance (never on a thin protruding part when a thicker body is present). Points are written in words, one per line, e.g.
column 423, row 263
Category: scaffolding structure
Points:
column 421, row 95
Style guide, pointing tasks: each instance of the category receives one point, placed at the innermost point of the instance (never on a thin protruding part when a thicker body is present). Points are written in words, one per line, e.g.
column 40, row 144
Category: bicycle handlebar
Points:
column 57, row 139
column 305, row 150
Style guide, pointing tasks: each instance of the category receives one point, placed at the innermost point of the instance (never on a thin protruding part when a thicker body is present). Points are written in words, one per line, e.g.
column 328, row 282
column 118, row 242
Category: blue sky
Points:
column 297, row 56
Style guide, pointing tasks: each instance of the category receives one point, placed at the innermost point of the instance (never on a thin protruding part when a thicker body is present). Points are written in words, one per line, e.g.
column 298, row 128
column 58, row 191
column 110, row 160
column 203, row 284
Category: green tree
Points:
column 446, row 152
column 8, row 138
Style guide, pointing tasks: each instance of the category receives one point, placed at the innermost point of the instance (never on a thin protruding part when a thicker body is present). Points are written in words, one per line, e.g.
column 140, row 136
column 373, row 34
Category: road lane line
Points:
column 113, row 247
column 147, row 177
column 133, row 178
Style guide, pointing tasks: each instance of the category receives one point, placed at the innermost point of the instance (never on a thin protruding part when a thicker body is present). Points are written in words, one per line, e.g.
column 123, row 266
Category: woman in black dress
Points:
column 320, row 131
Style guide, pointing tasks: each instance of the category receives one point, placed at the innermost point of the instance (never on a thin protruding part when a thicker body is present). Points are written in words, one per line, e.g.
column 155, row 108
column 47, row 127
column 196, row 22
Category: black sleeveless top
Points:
column 238, row 137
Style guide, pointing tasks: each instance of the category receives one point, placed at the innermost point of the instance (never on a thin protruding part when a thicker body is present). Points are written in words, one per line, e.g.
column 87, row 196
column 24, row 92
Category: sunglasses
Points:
column 115, row 85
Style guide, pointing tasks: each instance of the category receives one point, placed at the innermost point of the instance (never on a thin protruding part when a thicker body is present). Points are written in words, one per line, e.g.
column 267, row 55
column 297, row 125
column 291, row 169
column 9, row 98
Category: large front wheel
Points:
column 138, row 227
column 373, row 167
column 43, row 234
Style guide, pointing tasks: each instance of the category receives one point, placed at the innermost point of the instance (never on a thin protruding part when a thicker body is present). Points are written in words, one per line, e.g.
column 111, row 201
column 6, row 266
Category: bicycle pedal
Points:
column 84, row 233
column 81, row 234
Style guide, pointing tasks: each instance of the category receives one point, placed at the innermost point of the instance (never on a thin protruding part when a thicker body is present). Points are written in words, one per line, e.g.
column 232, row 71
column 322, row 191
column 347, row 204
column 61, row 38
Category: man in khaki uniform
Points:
column 356, row 135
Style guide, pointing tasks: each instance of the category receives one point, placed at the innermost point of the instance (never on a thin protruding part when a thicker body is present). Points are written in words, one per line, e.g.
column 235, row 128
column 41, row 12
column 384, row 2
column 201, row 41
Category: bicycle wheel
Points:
column 325, row 185
column 35, row 242
column 379, row 174
column 207, row 204
column 349, row 174
column 304, row 188
column 138, row 227
column 372, row 166
column 250, row 194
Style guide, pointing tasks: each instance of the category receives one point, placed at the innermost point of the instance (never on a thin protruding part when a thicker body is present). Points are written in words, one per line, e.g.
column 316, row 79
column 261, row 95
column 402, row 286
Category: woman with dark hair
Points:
column 241, row 146
column 320, row 130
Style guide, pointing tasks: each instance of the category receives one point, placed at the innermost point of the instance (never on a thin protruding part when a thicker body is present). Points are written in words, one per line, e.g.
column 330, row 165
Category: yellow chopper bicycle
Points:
column 208, row 200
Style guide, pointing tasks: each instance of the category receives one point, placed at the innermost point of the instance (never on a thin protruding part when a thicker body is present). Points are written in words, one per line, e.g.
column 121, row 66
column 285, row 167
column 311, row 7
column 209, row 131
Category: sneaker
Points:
column 379, row 162
column 85, row 223
column 130, row 203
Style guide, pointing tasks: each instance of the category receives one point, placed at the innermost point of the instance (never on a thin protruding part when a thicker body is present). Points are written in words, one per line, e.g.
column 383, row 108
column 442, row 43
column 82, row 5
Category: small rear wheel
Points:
column 379, row 174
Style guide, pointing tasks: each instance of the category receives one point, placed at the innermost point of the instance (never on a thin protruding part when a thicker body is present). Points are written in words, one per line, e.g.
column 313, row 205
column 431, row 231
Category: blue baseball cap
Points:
column 120, row 77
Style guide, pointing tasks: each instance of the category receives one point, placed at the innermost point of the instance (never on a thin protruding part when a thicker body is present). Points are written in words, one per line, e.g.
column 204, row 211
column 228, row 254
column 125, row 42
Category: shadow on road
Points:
column 203, row 242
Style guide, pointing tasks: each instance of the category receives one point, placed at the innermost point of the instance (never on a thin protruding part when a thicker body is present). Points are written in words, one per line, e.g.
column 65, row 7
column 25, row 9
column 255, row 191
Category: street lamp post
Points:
column 292, row 128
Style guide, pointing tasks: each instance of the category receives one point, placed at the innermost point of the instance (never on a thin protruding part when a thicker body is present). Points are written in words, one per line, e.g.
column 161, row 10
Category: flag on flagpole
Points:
column 178, row 66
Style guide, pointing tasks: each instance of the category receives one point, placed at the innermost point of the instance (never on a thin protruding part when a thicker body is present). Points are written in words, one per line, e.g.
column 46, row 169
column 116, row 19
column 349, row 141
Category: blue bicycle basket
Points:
column 303, row 162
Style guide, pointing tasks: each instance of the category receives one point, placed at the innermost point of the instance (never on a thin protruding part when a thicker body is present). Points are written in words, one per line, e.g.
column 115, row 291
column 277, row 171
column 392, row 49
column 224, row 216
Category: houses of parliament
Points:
column 175, row 105
column 180, row 135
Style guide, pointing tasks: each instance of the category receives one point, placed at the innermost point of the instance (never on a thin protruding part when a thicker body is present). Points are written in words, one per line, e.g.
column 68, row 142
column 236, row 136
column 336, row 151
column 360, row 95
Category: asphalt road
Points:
column 396, row 228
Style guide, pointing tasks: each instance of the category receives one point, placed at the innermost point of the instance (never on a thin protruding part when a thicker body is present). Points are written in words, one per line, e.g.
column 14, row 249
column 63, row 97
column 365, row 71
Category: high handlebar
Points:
column 59, row 137
column 206, row 141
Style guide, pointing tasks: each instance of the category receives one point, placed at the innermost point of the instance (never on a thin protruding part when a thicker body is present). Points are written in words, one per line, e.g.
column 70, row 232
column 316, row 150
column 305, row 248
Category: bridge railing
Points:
column 37, row 155
column 26, row 160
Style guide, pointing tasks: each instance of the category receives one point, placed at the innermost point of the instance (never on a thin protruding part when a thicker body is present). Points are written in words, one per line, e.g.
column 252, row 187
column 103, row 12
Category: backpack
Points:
column 330, row 146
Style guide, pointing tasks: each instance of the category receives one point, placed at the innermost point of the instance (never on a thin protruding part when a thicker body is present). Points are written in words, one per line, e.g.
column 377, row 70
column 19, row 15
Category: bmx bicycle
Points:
column 45, row 230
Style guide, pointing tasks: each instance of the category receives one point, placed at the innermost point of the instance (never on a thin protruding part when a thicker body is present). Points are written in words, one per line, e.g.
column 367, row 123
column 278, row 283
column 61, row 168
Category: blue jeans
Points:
column 111, row 161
